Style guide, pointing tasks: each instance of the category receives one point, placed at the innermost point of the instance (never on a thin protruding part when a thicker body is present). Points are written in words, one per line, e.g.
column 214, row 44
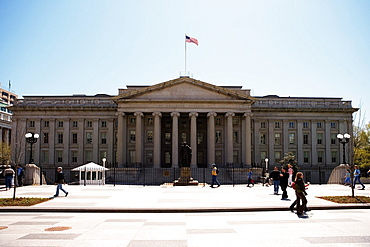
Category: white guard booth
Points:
column 91, row 173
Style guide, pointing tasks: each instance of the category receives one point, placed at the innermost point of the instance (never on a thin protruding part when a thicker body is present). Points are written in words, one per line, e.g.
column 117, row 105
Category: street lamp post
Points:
column 267, row 162
column 31, row 138
column 104, row 160
column 344, row 139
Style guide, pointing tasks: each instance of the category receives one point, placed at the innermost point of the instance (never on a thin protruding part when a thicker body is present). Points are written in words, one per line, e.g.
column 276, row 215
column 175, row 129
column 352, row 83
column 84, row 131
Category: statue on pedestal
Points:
column 185, row 155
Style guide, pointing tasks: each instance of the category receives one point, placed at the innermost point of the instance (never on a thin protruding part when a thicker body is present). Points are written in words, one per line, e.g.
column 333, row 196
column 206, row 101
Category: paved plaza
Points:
column 182, row 216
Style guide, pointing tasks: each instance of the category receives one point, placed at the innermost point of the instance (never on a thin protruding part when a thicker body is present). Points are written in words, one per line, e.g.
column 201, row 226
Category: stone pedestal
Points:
column 32, row 175
column 185, row 178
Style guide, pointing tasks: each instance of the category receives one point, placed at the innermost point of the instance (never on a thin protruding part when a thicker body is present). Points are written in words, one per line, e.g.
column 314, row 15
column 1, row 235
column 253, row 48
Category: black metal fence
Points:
column 158, row 176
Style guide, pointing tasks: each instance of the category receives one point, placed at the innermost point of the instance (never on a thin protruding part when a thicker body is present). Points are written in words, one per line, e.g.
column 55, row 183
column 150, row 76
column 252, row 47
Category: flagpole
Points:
column 185, row 54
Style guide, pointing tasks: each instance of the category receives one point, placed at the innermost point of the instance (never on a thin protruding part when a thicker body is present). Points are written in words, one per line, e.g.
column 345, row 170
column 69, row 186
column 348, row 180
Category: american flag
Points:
column 191, row 40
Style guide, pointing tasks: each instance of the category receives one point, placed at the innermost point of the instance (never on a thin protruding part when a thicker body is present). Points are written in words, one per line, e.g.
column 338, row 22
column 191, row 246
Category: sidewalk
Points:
column 168, row 199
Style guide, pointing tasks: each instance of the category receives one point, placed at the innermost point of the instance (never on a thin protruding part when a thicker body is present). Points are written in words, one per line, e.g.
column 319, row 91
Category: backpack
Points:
column 217, row 171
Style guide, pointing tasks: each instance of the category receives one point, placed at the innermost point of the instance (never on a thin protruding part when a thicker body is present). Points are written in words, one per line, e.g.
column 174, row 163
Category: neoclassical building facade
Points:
column 146, row 126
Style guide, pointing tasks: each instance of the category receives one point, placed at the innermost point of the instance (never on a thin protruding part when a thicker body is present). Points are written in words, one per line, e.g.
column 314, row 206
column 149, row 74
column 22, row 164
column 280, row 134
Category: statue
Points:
column 185, row 155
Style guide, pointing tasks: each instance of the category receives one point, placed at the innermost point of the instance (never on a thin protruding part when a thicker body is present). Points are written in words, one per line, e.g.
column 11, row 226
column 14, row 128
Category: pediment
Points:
column 183, row 89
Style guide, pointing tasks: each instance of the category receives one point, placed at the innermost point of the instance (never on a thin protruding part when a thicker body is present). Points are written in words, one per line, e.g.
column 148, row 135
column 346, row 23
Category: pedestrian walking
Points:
column 284, row 178
column 275, row 175
column 59, row 181
column 250, row 180
column 290, row 172
column 300, row 191
column 347, row 178
column 357, row 175
column 215, row 172
column 20, row 175
column 9, row 175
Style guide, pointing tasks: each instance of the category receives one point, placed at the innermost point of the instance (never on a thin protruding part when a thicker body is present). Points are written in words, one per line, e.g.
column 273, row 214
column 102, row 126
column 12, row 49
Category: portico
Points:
column 214, row 121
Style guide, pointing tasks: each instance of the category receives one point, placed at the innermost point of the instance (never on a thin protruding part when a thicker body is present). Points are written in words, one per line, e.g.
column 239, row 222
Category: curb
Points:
column 169, row 210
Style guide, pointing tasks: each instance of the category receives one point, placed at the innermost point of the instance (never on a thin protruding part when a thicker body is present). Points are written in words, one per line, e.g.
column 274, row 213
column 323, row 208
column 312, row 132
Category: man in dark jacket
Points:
column 275, row 175
column 284, row 177
column 59, row 182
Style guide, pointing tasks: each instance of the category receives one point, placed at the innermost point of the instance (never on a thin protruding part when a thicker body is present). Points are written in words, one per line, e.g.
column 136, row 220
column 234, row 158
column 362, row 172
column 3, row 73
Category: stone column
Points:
column 139, row 138
column 157, row 140
column 229, row 137
column 211, row 138
column 120, row 139
column 193, row 138
column 248, row 138
column 175, row 138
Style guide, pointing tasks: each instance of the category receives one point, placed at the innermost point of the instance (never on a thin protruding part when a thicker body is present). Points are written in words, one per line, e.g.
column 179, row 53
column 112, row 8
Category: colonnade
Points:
column 211, row 139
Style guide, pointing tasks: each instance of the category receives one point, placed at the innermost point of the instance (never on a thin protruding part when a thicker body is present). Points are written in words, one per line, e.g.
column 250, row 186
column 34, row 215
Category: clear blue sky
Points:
column 316, row 48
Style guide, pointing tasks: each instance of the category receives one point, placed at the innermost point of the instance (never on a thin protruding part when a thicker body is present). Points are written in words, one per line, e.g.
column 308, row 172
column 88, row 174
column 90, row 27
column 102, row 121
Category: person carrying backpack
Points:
column 215, row 172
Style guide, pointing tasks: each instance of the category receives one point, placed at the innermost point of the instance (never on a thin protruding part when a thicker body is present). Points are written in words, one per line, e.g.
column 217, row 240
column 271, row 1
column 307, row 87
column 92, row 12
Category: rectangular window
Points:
column 167, row 123
column 59, row 156
column 88, row 155
column 89, row 137
column 320, row 155
column 235, row 137
column 103, row 154
column 46, row 137
column 263, row 157
column 319, row 138
column 200, row 138
column 277, row 125
column 306, row 155
column 167, row 157
column 305, row 125
column 218, row 121
column 333, row 139
column 184, row 138
column 262, row 139
column 60, row 138
column 132, row 157
column 32, row 124
column 60, row 124
column 44, row 156
column 149, row 136
column 89, row 124
column 218, row 137
column 277, row 157
column 74, row 124
column 277, row 139
column 74, row 138
column 167, row 138
column 103, row 138
column 333, row 125
column 236, row 157
column 305, row 139
column 235, row 120
column 132, row 136
column 319, row 125
column 263, row 125
column 291, row 125
column 149, row 121
column 334, row 157
column 46, row 124
column 132, row 120
column 74, row 156
column 200, row 157
column 104, row 124
column 149, row 157
column 218, row 155
column 291, row 138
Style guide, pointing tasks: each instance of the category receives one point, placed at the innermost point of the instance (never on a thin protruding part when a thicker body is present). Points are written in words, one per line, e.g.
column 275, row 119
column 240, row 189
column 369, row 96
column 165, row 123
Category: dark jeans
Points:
column 214, row 181
column 301, row 202
column 285, row 193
